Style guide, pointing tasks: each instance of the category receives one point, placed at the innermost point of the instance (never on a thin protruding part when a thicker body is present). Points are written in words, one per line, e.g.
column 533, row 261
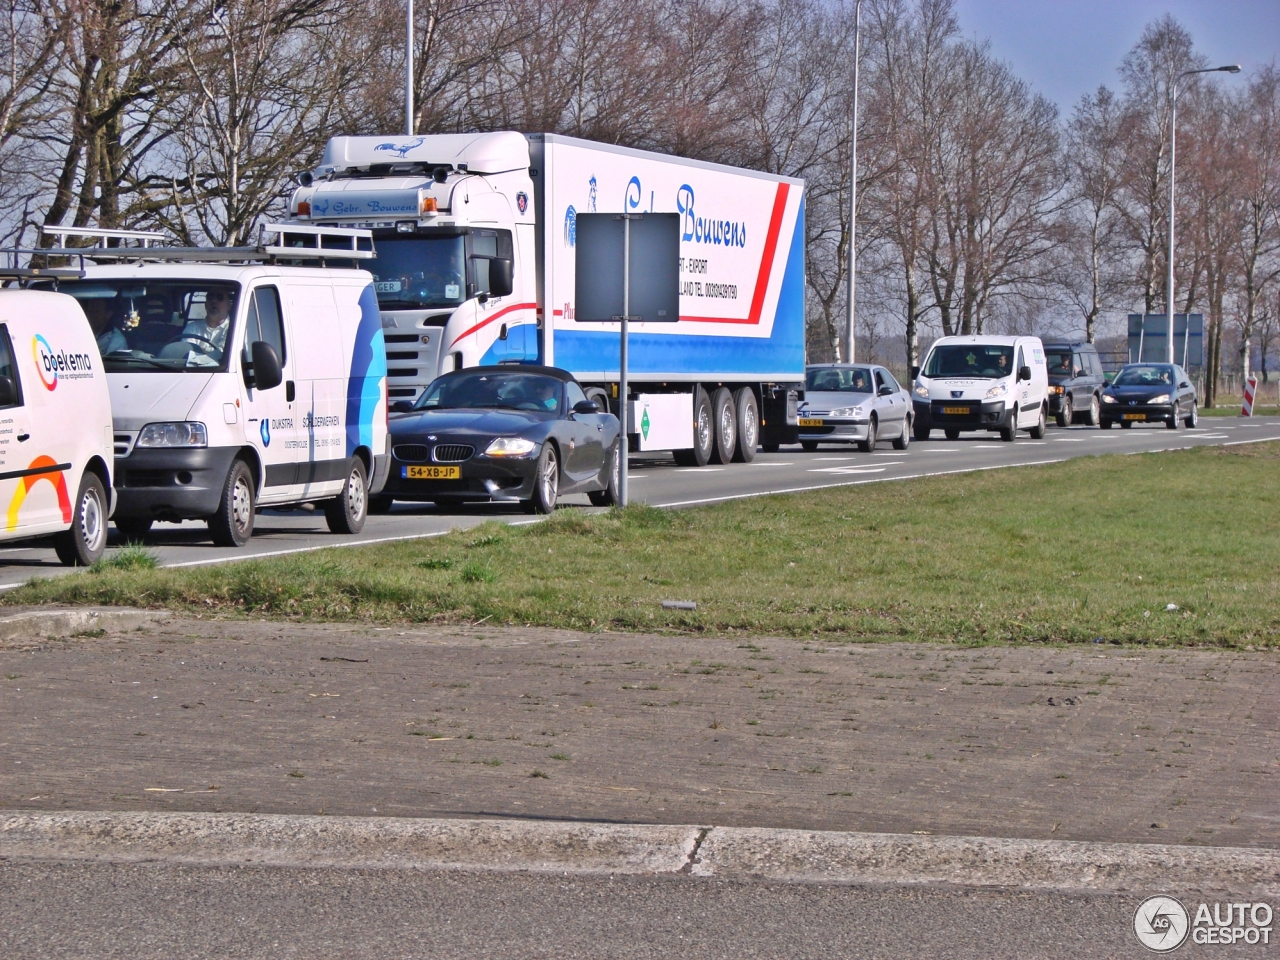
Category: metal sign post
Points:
column 623, row 442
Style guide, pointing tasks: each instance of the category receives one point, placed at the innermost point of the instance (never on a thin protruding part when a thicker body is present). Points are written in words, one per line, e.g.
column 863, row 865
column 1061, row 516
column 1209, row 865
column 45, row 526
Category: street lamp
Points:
column 408, row 70
column 1173, row 163
column 853, row 175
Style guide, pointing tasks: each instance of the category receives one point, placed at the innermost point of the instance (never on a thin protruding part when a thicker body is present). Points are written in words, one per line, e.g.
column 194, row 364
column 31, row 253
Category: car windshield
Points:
column 165, row 325
column 417, row 272
column 981, row 360
column 1059, row 362
column 1145, row 376
column 838, row 380
column 511, row 391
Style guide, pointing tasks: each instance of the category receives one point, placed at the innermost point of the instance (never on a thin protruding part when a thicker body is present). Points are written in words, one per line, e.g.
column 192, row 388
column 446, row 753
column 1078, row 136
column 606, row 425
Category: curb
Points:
column 727, row 853
column 38, row 623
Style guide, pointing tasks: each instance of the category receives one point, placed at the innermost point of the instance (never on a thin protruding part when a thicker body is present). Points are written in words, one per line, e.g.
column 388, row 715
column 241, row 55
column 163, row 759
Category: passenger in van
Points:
column 99, row 312
column 210, row 334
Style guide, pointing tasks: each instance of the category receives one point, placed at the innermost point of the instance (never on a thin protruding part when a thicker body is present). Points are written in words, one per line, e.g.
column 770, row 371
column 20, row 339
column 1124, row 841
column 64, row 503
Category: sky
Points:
column 1067, row 48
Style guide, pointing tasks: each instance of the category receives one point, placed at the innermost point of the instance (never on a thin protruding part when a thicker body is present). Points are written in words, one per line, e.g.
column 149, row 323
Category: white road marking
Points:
column 823, row 459
column 1069, row 440
column 698, row 469
column 772, row 463
column 848, row 470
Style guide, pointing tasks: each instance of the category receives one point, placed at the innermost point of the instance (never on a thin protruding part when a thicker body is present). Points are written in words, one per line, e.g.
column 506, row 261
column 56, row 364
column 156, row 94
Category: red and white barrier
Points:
column 1250, row 388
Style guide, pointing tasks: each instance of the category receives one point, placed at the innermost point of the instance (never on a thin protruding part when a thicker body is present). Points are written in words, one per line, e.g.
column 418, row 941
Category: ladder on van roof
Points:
column 288, row 242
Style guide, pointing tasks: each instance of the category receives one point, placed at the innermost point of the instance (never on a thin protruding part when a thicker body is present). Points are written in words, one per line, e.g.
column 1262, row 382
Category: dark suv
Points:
column 1076, row 382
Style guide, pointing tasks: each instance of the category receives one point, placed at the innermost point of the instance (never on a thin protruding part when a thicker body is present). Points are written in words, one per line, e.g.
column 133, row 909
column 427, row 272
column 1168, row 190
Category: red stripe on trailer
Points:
column 766, row 265
column 488, row 320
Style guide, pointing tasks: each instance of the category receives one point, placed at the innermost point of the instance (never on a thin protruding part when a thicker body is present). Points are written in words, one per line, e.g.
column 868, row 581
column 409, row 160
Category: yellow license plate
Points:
column 810, row 422
column 963, row 411
column 1135, row 416
column 431, row 473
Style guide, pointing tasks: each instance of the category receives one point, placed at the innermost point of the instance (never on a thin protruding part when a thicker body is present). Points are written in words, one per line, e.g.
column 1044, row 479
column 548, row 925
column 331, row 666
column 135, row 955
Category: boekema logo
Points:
column 1161, row 924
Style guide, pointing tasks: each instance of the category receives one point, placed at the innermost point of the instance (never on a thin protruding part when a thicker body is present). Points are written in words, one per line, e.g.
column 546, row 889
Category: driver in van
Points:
column 110, row 339
column 210, row 334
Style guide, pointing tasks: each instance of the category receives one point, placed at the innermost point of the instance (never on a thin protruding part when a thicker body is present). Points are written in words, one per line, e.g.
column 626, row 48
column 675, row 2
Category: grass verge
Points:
column 1095, row 547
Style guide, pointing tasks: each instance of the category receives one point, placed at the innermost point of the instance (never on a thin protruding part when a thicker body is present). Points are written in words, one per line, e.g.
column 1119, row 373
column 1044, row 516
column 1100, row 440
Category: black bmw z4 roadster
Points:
column 507, row 433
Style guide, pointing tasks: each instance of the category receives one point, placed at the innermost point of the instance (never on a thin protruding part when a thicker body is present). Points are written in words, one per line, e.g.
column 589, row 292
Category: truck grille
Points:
column 400, row 337
column 402, row 372
column 402, row 355
column 452, row 452
column 411, row 452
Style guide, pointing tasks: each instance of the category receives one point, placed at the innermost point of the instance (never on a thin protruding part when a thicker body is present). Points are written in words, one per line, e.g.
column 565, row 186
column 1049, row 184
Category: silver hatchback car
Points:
column 853, row 403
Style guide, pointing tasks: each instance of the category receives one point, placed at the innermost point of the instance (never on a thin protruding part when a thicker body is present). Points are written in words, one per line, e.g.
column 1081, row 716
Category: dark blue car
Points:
column 1150, row 393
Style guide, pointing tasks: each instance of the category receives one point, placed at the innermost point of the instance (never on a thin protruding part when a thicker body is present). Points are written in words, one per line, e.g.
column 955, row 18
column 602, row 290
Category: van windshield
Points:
column 167, row 325
column 989, row 361
column 416, row 272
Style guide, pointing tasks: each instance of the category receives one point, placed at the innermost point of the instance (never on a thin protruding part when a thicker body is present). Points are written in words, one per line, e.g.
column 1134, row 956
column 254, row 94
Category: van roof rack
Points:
column 11, row 270
column 102, row 234
column 291, row 241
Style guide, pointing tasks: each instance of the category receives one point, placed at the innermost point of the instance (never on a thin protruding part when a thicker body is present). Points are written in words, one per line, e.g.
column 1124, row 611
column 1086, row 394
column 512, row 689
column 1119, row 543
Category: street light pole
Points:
column 853, row 177
column 408, row 71
column 1173, row 168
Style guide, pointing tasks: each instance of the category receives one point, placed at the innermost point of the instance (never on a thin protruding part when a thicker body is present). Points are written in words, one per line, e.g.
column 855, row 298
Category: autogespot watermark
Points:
column 1163, row 924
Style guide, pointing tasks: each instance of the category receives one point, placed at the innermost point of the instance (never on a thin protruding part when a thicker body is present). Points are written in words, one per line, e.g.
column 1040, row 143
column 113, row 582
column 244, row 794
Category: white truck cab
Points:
column 55, row 425
column 982, row 383
column 237, row 385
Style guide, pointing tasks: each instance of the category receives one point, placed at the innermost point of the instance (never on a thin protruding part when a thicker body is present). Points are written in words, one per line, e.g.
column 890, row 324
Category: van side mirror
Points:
column 8, row 395
column 1024, row 373
column 501, row 277
column 915, row 372
column 266, row 372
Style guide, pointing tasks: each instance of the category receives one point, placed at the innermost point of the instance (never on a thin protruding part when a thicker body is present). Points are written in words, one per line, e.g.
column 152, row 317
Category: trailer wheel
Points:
column 726, row 426
column 704, row 433
column 744, row 402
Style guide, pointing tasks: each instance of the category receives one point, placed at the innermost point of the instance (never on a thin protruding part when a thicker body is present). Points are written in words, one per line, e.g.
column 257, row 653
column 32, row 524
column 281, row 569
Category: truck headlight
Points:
column 1162, row 398
column 510, row 447
column 999, row 390
column 920, row 390
column 185, row 433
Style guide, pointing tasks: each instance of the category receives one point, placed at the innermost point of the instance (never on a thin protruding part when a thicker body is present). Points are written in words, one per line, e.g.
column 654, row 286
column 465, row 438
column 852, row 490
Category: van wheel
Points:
column 744, row 404
column 704, row 433
column 1065, row 413
column 83, row 543
column 346, row 512
column 1037, row 432
column 726, row 424
column 1009, row 432
column 232, row 525
column 546, row 483
column 133, row 529
column 609, row 496
column 869, row 444
column 380, row 504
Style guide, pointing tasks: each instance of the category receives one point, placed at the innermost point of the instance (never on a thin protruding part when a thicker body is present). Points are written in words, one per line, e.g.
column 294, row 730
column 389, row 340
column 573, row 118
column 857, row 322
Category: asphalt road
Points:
column 655, row 480
column 138, row 911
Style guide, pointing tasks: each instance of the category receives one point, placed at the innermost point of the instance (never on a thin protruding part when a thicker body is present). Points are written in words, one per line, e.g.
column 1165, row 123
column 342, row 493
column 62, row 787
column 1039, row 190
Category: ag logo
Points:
column 46, row 361
column 265, row 431
column 1161, row 924
column 522, row 201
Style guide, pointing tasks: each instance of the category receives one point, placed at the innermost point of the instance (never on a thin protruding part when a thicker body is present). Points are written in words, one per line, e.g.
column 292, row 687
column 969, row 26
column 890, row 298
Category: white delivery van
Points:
column 237, row 385
column 982, row 383
column 55, row 425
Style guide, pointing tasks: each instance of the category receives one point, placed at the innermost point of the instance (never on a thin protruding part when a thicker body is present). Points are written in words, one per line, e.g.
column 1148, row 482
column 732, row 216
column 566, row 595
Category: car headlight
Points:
column 186, row 433
column 1161, row 398
column 854, row 412
column 999, row 390
column 1055, row 389
column 510, row 447
column 1108, row 398
column 920, row 390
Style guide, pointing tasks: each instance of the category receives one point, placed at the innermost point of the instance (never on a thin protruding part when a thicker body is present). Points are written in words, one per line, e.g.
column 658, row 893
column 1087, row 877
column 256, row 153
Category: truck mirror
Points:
column 500, row 277
column 266, row 372
column 8, row 395
column 1024, row 373
column 915, row 372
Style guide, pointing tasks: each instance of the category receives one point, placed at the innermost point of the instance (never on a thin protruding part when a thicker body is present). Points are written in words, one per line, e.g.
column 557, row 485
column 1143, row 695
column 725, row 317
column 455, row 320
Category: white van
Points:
column 982, row 383
column 237, row 385
column 55, row 426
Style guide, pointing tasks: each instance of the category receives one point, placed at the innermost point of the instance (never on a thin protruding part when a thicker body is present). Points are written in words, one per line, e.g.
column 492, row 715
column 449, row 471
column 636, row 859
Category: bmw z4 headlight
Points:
column 510, row 447
column 854, row 412
column 999, row 390
column 187, row 433
column 920, row 390
column 1162, row 398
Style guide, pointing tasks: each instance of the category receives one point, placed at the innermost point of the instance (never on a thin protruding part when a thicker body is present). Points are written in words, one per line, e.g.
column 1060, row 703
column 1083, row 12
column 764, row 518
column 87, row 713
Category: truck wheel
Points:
column 346, row 512
column 546, row 482
column 232, row 525
column 726, row 426
column 869, row 444
column 744, row 403
column 83, row 543
column 609, row 496
column 380, row 504
column 1037, row 432
column 133, row 529
column 704, row 433
column 1065, row 413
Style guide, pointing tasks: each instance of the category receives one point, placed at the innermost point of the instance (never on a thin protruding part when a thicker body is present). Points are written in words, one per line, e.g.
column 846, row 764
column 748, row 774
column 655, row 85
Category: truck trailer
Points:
column 476, row 258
